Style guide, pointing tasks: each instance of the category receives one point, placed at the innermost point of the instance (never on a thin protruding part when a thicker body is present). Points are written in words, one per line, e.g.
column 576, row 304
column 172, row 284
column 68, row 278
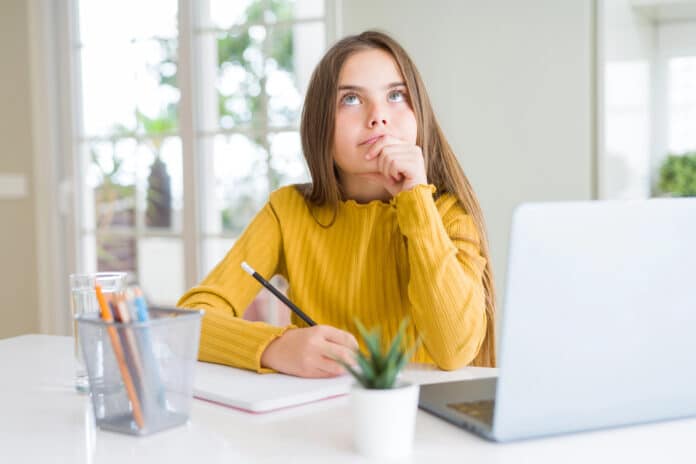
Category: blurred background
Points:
column 143, row 136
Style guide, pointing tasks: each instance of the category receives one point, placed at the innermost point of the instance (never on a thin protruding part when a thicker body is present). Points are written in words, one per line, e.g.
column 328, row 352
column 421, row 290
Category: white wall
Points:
column 18, row 270
column 512, row 85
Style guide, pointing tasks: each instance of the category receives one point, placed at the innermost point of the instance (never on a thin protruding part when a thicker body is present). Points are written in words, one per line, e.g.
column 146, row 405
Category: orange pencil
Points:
column 120, row 358
column 121, row 314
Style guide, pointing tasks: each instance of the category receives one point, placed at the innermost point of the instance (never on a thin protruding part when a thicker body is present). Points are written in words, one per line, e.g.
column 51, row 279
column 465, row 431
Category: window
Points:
column 681, row 85
column 647, row 99
column 244, row 66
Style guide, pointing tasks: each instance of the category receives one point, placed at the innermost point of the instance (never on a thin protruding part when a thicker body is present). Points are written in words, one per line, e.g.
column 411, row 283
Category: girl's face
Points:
column 372, row 101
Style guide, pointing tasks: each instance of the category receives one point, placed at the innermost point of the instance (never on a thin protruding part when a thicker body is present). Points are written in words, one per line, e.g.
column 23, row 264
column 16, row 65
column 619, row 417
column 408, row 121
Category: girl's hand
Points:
column 399, row 165
column 310, row 352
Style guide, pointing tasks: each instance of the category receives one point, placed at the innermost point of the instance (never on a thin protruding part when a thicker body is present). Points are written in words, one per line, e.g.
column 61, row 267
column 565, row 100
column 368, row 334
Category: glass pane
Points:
column 308, row 8
column 110, row 214
column 287, row 164
column 279, row 10
column 113, row 169
column 129, row 87
column 116, row 252
column 214, row 249
column 309, row 44
column 240, row 73
column 161, row 269
column 284, row 99
column 125, row 20
column 294, row 51
column 241, row 183
column 111, row 176
column 161, row 183
column 682, row 104
column 624, row 171
column 225, row 14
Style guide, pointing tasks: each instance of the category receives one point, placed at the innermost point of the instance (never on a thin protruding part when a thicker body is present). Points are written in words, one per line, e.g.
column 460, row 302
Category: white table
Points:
column 42, row 419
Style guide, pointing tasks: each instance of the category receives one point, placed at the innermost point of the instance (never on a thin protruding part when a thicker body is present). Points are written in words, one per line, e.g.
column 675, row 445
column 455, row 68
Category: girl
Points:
column 388, row 228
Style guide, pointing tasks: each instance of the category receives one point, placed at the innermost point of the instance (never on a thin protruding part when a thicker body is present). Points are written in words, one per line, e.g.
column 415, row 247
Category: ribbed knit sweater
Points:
column 378, row 262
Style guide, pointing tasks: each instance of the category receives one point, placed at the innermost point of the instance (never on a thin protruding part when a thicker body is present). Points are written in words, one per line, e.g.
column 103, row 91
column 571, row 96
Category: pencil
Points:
column 250, row 270
column 130, row 346
column 120, row 358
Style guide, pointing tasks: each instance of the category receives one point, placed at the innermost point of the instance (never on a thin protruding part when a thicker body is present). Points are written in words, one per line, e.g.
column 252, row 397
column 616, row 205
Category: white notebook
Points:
column 252, row 392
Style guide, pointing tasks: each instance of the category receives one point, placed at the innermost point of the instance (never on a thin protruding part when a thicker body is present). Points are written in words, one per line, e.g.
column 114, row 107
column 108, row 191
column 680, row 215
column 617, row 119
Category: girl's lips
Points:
column 371, row 140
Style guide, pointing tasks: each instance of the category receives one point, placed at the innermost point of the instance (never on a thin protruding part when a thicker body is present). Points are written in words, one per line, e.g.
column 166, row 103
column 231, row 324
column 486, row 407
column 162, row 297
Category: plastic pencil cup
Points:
column 83, row 300
column 143, row 381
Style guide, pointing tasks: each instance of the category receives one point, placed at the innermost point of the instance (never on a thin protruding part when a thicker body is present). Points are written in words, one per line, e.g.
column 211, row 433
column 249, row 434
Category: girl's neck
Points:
column 362, row 190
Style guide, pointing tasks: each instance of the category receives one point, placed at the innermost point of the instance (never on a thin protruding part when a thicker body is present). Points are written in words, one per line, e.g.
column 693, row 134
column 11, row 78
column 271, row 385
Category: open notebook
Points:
column 254, row 392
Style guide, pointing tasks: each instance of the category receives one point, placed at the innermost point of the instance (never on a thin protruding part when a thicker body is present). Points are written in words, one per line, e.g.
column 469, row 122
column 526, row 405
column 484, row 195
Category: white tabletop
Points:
column 42, row 419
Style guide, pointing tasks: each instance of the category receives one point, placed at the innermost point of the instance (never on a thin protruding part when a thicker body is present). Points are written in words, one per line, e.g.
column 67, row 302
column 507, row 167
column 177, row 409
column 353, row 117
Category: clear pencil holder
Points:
column 141, row 373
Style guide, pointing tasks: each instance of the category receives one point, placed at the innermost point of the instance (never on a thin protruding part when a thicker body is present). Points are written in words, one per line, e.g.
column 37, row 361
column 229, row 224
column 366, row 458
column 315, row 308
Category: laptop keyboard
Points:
column 479, row 410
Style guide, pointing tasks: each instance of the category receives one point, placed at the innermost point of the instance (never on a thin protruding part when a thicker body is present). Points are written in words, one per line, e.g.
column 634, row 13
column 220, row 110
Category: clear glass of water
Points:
column 83, row 300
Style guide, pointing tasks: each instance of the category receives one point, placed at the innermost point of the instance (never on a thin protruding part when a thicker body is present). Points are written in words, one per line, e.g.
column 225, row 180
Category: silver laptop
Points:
column 599, row 324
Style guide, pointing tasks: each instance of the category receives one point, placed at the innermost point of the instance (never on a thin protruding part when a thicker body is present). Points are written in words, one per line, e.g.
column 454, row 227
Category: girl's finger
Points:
column 388, row 155
column 394, row 165
column 395, row 169
column 341, row 337
column 335, row 351
column 391, row 168
column 377, row 147
column 329, row 367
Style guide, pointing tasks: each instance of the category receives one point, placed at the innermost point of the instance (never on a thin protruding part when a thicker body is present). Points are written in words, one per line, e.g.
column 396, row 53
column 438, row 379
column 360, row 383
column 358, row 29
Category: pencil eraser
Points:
column 248, row 268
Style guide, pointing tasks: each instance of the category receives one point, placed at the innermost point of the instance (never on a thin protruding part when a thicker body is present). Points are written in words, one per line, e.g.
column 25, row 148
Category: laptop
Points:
column 599, row 324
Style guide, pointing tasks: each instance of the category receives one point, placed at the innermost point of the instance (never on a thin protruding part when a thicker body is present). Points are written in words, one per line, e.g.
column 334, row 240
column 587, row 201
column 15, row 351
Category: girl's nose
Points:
column 377, row 116
column 376, row 122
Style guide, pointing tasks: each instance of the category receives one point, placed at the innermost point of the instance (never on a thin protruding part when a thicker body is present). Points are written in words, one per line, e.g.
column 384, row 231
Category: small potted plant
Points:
column 383, row 407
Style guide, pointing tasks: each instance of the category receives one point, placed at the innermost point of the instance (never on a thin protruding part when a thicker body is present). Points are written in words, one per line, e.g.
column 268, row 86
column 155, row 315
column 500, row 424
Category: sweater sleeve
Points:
column 445, row 288
column 227, row 290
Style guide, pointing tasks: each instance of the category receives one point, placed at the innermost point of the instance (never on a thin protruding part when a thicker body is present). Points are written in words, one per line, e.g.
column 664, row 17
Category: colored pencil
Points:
column 120, row 358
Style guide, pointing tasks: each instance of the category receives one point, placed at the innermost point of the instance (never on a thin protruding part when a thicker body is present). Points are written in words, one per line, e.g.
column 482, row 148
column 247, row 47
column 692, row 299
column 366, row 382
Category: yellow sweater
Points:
column 379, row 262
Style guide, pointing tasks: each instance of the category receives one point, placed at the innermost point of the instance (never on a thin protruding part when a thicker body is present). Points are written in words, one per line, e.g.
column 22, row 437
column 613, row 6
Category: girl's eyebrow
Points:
column 358, row 88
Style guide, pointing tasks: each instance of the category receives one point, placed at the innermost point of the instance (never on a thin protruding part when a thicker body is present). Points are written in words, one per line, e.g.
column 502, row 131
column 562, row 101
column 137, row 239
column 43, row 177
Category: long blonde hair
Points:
column 442, row 168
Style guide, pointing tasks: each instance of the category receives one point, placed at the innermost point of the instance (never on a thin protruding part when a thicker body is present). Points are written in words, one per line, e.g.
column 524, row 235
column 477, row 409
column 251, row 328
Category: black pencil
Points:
column 250, row 270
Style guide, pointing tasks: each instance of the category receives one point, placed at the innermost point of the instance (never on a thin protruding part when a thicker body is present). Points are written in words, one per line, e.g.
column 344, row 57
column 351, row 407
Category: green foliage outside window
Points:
column 233, row 50
column 678, row 175
column 247, row 105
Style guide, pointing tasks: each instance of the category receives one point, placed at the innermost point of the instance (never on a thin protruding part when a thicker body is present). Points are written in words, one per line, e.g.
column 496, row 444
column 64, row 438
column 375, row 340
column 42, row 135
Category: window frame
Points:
column 56, row 79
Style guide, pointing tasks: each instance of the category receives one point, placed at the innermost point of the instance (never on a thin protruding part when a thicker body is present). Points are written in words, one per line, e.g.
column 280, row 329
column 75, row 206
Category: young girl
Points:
column 389, row 227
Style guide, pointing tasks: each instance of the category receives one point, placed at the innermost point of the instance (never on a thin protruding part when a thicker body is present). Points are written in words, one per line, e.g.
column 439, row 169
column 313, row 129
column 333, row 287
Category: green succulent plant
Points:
column 378, row 369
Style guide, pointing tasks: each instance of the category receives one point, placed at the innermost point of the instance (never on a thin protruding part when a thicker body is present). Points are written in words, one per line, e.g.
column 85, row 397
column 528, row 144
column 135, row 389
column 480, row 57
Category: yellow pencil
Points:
column 120, row 358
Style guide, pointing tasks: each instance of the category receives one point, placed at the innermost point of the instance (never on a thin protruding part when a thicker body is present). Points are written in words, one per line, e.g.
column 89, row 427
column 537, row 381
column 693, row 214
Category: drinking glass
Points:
column 83, row 300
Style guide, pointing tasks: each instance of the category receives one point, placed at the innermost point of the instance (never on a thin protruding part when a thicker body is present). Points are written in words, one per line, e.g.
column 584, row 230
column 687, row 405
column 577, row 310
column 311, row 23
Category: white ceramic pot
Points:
column 384, row 420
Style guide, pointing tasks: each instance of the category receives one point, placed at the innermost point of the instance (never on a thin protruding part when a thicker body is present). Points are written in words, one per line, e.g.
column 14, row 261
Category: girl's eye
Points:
column 396, row 96
column 350, row 99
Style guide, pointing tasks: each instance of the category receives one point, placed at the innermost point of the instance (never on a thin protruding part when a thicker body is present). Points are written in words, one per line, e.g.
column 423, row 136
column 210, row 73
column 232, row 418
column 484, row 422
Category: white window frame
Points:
column 55, row 85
